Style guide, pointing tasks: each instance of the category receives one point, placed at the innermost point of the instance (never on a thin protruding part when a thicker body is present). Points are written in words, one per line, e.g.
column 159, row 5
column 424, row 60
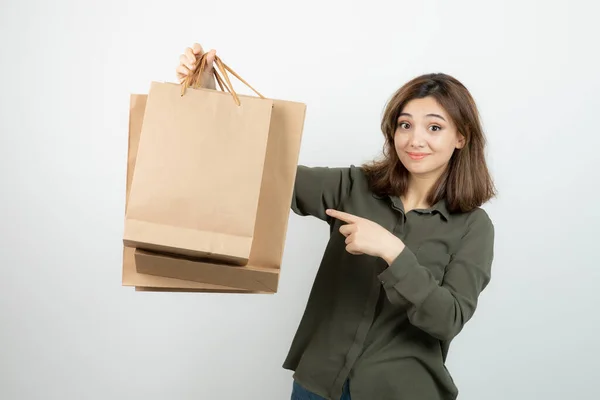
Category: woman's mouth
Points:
column 417, row 156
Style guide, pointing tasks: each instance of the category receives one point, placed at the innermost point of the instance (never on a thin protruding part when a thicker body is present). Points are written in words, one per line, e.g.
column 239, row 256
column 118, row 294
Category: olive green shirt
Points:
column 386, row 328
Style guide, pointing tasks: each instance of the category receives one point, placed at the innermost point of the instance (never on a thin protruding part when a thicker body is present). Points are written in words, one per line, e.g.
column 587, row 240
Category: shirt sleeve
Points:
column 443, row 310
column 318, row 188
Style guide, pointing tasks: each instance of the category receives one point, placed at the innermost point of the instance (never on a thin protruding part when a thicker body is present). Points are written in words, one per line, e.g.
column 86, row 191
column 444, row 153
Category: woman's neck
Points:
column 417, row 192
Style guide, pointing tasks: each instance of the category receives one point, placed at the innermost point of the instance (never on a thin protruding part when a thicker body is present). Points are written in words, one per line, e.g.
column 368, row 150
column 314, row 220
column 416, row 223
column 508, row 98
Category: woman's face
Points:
column 426, row 138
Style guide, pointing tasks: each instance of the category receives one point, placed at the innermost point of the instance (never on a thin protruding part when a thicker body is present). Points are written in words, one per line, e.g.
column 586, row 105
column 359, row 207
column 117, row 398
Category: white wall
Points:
column 68, row 330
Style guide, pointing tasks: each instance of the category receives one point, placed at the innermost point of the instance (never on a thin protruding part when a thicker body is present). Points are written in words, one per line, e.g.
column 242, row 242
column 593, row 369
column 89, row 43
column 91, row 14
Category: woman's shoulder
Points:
column 475, row 220
column 476, row 215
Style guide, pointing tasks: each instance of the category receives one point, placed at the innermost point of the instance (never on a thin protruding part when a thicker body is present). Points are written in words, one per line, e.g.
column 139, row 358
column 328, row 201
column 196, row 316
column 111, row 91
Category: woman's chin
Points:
column 421, row 169
column 418, row 167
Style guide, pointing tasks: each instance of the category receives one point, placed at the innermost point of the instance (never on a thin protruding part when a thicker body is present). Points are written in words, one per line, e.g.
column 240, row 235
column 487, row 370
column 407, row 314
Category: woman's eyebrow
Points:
column 428, row 115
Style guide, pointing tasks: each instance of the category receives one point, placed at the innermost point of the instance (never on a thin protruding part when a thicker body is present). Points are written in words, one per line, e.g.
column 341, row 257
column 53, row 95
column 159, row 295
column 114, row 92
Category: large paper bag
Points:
column 262, row 272
column 263, row 269
column 198, row 173
column 130, row 276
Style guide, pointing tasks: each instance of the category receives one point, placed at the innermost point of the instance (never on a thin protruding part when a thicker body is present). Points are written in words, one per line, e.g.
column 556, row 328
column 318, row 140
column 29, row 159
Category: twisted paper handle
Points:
column 194, row 80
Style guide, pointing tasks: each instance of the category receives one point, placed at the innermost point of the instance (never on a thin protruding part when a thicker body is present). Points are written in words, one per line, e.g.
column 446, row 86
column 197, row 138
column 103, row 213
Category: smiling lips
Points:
column 417, row 156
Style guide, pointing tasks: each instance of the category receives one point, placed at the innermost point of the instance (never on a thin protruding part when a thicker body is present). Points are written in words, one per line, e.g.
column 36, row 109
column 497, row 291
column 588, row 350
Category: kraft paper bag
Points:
column 130, row 276
column 159, row 271
column 198, row 173
column 262, row 272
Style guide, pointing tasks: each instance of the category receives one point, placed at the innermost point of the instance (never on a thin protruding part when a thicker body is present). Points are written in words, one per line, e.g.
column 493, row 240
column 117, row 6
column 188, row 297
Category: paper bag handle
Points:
column 195, row 80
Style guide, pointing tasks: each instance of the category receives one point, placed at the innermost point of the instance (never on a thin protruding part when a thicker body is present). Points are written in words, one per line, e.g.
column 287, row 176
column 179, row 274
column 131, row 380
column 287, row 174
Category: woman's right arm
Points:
column 318, row 188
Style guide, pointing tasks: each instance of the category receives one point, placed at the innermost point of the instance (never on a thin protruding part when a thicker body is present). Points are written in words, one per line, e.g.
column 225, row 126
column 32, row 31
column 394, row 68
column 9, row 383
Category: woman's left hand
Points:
column 367, row 237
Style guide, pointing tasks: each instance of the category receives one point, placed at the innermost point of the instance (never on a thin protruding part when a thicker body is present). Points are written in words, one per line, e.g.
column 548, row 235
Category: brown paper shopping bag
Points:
column 198, row 173
column 130, row 275
column 261, row 274
column 264, row 266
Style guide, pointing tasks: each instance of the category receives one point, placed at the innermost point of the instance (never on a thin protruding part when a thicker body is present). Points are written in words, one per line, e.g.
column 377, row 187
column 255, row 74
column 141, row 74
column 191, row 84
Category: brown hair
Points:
column 466, row 182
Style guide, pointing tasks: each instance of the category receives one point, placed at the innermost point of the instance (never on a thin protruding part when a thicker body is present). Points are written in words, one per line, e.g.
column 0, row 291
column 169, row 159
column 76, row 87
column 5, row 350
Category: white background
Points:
column 68, row 330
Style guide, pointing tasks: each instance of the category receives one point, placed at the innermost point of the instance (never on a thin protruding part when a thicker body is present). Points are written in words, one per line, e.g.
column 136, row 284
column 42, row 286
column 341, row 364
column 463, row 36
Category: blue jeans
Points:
column 300, row 393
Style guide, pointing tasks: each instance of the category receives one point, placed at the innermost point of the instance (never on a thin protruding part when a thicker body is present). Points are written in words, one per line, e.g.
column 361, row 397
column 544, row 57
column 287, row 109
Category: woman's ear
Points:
column 461, row 141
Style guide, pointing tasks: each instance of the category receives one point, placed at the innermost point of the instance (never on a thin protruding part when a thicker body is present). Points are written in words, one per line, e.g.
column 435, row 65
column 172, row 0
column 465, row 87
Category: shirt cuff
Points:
column 405, row 280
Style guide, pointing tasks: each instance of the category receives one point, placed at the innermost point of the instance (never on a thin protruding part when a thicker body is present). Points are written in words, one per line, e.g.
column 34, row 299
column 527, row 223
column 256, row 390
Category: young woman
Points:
column 410, row 250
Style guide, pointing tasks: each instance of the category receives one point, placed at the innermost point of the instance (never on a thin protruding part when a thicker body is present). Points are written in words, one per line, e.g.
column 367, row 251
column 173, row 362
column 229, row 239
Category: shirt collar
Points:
column 440, row 207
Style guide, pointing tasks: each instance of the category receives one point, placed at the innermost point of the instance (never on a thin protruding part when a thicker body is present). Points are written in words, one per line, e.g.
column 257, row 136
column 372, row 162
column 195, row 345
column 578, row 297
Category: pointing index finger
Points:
column 342, row 216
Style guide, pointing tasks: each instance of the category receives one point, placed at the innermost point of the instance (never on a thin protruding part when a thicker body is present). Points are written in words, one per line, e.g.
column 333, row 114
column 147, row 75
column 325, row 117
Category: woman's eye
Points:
column 438, row 128
column 403, row 124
